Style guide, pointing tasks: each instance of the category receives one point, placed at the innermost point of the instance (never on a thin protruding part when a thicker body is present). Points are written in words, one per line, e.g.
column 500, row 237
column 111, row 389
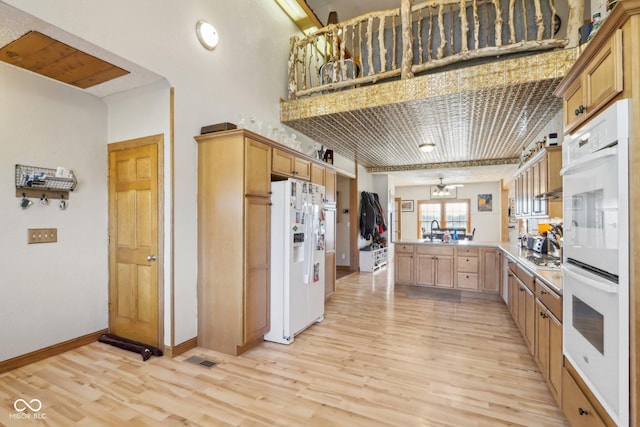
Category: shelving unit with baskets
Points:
column 33, row 181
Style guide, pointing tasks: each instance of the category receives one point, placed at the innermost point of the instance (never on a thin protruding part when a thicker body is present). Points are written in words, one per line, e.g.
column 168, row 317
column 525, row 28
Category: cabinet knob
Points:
column 543, row 292
column 582, row 411
column 581, row 109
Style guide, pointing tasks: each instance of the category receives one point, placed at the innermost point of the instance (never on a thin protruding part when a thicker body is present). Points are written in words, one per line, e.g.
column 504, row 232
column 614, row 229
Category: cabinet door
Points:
column 404, row 268
column 317, row 174
column 444, row 271
column 574, row 105
column 535, row 188
column 257, row 170
column 555, row 358
column 518, row 194
column 257, row 268
column 526, row 193
column 468, row 281
column 576, row 406
column 542, row 339
column 512, row 296
column 330, row 182
column 302, row 168
column 283, row 163
column 530, row 319
column 425, row 270
column 490, row 271
column 329, row 273
column 603, row 75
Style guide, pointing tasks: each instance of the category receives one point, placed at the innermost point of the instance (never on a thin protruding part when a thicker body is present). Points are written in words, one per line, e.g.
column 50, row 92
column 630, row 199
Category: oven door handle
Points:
column 587, row 160
column 574, row 272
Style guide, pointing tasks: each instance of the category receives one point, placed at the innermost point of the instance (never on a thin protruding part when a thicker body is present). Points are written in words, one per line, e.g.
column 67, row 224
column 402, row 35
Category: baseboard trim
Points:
column 181, row 348
column 43, row 353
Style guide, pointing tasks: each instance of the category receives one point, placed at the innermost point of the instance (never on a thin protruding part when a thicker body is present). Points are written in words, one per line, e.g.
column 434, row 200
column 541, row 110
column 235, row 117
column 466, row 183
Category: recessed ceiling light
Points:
column 427, row 147
column 207, row 35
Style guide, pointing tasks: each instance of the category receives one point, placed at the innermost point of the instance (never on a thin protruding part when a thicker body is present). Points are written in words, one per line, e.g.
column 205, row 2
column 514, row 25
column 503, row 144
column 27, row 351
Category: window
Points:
column 450, row 213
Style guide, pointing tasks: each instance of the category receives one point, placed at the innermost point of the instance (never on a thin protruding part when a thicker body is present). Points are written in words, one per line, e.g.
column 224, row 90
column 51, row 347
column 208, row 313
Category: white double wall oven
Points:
column 596, row 256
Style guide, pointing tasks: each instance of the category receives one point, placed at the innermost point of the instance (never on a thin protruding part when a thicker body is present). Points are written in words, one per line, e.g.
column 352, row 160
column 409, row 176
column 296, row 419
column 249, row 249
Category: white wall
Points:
column 487, row 224
column 56, row 291
column 245, row 74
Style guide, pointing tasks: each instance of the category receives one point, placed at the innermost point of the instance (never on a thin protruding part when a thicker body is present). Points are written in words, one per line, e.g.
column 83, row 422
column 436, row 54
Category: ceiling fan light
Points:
column 427, row 147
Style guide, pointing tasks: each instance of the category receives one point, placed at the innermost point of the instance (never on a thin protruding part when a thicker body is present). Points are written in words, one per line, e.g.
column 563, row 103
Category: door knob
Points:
column 151, row 258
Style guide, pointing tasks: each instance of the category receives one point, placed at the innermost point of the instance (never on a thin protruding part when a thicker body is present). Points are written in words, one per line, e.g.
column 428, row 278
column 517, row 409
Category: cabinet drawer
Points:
column 576, row 406
column 550, row 299
column 434, row 250
column 467, row 251
column 467, row 281
column 407, row 249
column 525, row 277
column 468, row 264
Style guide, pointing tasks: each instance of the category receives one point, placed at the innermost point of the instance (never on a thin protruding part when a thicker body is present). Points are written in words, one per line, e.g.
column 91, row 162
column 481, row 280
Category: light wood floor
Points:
column 378, row 358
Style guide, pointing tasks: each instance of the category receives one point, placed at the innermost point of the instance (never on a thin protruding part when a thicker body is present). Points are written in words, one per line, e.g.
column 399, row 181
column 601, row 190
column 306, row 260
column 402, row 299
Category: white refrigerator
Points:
column 297, row 258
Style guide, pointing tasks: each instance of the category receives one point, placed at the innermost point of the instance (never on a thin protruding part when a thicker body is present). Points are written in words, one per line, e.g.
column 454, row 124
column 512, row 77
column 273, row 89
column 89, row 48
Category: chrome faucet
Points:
column 437, row 226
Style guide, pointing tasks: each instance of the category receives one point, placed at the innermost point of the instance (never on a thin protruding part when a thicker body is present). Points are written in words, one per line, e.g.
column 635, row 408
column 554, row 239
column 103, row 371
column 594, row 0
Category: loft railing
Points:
column 401, row 42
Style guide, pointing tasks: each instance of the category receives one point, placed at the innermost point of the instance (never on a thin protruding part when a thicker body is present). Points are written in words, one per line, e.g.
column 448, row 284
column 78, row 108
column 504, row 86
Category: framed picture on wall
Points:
column 406, row 205
column 485, row 202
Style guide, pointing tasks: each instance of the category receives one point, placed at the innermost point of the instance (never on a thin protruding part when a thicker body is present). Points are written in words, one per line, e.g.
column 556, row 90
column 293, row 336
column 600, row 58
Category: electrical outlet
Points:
column 42, row 235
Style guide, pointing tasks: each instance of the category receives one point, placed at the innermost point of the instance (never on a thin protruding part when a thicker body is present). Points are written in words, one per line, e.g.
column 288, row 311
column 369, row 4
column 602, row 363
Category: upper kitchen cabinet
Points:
column 538, row 183
column 599, row 82
column 234, row 186
column 288, row 165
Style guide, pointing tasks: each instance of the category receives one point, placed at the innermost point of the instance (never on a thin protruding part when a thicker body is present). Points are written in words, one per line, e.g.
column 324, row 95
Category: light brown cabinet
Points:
column 599, row 83
column 234, row 180
column 539, row 175
column 490, row 270
column 521, row 284
column 434, row 266
column 288, row 165
column 549, row 349
column 327, row 178
column 577, row 406
column 404, row 264
column 468, row 268
column 330, row 185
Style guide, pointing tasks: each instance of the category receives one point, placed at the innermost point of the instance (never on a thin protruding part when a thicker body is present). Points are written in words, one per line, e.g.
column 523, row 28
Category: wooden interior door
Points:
column 134, row 297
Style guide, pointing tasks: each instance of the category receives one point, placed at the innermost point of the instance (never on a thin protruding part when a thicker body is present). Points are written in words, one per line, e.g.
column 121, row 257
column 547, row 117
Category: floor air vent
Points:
column 195, row 360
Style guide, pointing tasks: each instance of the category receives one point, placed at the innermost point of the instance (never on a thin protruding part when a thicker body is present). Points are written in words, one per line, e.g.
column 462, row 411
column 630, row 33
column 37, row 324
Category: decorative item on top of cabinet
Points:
column 233, row 240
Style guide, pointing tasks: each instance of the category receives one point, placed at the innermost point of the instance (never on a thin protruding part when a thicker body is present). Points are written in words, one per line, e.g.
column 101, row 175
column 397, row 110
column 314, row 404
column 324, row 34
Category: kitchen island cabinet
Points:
column 434, row 266
column 464, row 265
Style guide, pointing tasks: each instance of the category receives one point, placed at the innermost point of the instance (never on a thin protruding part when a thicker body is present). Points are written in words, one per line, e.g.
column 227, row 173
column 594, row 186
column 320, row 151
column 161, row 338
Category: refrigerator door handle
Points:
column 308, row 241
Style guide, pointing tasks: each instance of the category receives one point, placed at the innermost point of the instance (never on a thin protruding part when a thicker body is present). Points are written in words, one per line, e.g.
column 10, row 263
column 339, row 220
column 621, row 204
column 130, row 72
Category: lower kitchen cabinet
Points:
column 490, row 269
column 434, row 266
column 577, row 405
column 549, row 349
column 404, row 264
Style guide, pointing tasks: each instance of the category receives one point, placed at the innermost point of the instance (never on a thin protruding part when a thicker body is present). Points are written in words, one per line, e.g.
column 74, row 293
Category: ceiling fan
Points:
column 443, row 189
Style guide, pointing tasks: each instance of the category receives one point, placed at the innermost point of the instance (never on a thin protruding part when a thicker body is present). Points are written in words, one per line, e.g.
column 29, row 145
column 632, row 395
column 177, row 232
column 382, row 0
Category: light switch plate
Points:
column 42, row 235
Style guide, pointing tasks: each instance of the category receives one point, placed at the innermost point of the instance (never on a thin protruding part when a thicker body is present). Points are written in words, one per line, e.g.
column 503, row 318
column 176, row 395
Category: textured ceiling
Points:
column 479, row 116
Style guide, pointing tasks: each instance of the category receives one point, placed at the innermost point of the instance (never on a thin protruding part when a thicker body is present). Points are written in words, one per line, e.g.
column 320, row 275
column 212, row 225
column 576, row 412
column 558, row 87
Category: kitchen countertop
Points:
column 551, row 278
